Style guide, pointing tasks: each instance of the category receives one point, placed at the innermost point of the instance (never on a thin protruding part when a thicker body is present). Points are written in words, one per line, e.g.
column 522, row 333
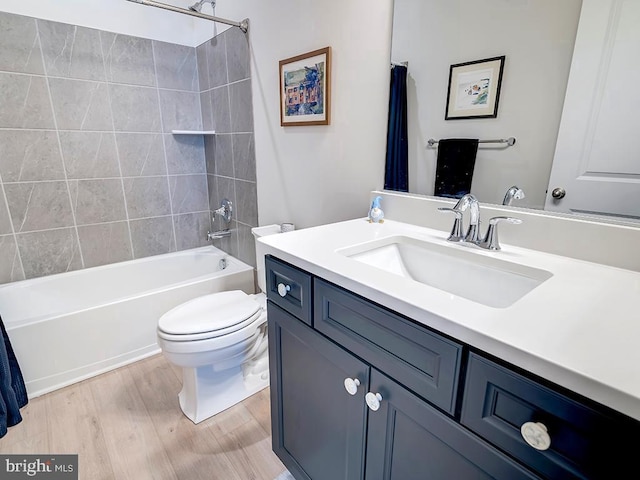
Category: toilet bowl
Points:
column 220, row 342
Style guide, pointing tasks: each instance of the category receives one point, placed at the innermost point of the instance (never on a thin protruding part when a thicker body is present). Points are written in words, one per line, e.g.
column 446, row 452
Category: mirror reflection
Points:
column 537, row 38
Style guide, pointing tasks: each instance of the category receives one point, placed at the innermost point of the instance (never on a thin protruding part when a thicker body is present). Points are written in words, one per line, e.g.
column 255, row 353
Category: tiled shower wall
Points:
column 89, row 170
column 225, row 98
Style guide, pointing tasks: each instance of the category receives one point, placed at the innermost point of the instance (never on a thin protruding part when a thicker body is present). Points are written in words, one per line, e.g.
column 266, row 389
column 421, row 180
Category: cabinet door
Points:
column 318, row 429
column 410, row 440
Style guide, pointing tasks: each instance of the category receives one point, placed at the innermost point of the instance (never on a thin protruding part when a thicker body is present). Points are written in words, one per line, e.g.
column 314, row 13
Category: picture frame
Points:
column 305, row 89
column 474, row 89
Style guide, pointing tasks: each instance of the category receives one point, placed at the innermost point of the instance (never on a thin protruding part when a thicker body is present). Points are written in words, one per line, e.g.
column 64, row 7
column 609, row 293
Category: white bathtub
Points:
column 71, row 326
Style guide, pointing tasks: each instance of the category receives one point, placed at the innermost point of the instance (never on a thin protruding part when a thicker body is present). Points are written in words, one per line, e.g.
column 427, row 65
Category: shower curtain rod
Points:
column 243, row 25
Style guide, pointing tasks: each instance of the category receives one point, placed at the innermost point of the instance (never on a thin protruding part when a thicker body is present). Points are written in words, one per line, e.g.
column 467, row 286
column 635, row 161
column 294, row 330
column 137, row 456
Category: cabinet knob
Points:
column 536, row 435
column 283, row 289
column 351, row 385
column 373, row 400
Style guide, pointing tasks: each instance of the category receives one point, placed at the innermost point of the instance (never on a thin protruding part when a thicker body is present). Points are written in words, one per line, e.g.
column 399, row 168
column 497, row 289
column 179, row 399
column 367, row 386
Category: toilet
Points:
column 220, row 342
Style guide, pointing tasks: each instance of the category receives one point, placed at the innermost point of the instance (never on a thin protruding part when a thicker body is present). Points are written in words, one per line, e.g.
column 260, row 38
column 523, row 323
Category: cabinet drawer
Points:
column 585, row 442
column 420, row 359
column 289, row 288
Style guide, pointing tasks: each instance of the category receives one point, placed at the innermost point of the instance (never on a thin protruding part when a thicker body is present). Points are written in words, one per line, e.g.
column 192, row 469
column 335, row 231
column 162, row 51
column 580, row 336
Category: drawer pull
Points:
column 373, row 400
column 351, row 385
column 283, row 289
column 536, row 435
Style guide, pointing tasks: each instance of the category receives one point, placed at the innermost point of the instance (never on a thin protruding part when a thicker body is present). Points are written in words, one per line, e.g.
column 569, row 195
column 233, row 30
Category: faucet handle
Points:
column 456, row 230
column 490, row 241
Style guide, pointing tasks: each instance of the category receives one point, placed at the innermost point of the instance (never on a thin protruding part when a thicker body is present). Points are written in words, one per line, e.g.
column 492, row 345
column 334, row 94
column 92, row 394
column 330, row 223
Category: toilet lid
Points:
column 209, row 313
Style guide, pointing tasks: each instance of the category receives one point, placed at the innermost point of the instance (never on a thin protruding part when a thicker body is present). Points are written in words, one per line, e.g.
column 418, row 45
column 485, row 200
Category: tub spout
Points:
column 219, row 234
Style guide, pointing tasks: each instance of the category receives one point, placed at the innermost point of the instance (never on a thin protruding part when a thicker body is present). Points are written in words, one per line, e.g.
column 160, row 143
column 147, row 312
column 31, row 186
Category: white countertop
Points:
column 579, row 329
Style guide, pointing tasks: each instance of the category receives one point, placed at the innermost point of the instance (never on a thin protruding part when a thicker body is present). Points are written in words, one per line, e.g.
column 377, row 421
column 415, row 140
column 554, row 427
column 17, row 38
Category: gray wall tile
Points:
column 238, row 57
column 217, row 61
column 241, row 106
column 191, row 230
column 46, row 253
column 19, row 44
column 25, row 102
column 106, row 99
column 141, row 154
column 246, row 245
column 203, row 66
column 247, row 203
column 229, row 244
column 152, row 236
column 70, row 51
column 212, row 189
column 224, row 188
column 128, row 59
column 244, row 156
column 5, row 219
column 10, row 266
column 89, row 154
column 185, row 154
column 147, row 196
column 176, row 66
column 222, row 155
column 180, row 110
column 97, row 201
column 30, row 155
column 220, row 108
column 206, row 111
column 105, row 243
column 80, row 105
column 135, row 109
column 188, row 193
column 39, row 206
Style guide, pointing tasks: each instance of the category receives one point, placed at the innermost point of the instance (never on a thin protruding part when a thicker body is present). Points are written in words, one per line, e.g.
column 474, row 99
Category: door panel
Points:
column 410, row 440
column 318, row 428
column 597, row 159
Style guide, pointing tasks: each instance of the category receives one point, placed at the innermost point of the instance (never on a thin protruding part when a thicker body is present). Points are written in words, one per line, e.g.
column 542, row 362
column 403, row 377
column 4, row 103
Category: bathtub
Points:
column 71, row 326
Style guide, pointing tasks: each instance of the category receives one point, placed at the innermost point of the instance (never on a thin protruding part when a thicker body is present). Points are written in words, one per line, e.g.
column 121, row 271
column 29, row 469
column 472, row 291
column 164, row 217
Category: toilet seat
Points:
column 209, row 316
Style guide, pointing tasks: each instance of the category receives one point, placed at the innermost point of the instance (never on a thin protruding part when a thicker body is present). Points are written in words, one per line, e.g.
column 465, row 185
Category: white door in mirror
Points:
column 536, row 435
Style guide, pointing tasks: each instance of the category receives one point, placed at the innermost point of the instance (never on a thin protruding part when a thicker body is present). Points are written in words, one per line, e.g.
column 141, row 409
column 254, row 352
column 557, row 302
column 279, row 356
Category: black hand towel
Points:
column 454, row 168
column 13, row 394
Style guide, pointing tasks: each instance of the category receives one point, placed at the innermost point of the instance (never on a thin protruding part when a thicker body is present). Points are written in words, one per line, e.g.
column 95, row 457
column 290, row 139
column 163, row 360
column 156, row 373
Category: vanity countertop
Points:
column 579, row 329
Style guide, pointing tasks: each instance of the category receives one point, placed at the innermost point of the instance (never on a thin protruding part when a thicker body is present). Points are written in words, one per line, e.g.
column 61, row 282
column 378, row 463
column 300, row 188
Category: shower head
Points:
column 197, row 7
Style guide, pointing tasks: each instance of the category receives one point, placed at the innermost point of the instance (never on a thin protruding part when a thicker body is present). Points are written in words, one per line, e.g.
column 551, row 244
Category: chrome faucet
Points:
column 490, row 240
column 514, row 193
column 225, row 212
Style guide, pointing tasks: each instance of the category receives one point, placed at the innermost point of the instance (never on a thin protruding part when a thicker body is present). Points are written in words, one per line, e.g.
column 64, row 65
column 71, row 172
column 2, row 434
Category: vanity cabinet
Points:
column 322, row 427
column 360, row 392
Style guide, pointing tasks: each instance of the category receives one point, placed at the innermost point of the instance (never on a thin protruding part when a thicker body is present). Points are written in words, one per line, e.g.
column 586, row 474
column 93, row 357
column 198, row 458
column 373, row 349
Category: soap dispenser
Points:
column 376, row 215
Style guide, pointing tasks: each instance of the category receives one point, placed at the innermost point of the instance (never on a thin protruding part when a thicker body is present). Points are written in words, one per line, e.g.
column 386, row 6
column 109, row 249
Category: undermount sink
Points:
column 483, row 279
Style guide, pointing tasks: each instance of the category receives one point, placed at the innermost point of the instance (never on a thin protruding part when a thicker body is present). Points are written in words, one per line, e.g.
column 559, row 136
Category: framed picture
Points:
column 305, row 91
column 474, row 89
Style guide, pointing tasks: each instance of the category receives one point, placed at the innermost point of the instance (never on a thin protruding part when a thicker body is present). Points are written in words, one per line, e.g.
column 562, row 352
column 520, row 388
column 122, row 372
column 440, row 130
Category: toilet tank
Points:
column 260, row 251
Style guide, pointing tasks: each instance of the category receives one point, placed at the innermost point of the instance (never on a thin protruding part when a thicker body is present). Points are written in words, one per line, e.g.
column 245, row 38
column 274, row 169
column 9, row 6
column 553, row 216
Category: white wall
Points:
column 119, row 16
column 537, row 37
column 319, row 174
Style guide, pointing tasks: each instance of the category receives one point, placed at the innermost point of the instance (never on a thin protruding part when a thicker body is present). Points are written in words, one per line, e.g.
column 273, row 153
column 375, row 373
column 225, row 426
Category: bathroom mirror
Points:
column 537, row 38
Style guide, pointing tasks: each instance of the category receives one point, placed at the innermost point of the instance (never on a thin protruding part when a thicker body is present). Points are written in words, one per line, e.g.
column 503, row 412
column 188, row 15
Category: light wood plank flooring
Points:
column 127, row 424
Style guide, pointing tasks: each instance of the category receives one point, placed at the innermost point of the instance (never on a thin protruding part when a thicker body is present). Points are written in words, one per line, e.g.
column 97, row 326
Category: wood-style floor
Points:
column 127, row 424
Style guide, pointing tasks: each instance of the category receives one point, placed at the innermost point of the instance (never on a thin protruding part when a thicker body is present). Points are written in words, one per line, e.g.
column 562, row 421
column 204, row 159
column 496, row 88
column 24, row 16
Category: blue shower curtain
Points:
column 13, row 394
column 396, row 174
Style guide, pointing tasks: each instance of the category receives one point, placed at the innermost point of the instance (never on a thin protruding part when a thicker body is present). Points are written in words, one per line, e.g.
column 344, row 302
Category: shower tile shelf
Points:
column 193, row 132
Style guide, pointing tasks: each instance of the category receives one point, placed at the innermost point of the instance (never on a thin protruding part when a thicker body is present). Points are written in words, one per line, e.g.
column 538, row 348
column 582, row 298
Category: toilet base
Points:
column 206, row 392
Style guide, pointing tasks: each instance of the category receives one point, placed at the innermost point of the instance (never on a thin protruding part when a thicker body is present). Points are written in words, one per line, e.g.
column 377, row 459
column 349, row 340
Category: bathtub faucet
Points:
column 225, row 212
column 218, row 235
